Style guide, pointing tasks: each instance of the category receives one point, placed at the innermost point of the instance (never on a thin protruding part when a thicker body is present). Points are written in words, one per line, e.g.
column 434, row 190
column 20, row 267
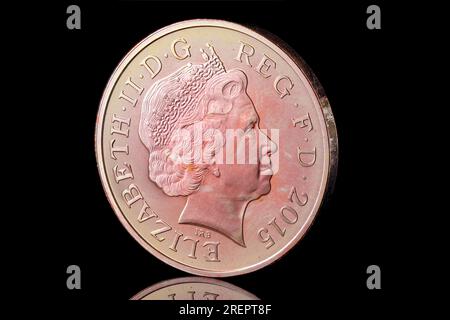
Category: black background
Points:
column 362, row 222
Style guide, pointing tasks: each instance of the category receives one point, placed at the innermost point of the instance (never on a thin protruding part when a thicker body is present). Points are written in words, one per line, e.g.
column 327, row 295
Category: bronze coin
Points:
column 216, row 146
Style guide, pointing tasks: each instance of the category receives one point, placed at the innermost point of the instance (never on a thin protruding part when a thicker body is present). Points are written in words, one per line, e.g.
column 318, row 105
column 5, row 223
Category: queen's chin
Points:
column 220, row 213
column 263, row 187
column 265, row 176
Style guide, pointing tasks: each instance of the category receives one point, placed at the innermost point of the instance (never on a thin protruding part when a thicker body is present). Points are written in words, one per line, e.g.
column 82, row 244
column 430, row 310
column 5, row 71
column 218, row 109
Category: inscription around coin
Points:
column 185, row 158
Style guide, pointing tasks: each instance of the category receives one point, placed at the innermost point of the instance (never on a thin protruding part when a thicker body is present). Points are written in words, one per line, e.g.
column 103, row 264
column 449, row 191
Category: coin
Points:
column 216, row 146
column 193, row 288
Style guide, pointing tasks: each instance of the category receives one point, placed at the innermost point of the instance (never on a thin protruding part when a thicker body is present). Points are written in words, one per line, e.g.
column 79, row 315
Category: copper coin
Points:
column 193, row 288
column 216, row 146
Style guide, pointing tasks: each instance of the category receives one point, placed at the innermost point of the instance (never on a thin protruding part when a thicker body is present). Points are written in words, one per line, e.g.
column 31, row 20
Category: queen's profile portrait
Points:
column 182, row 116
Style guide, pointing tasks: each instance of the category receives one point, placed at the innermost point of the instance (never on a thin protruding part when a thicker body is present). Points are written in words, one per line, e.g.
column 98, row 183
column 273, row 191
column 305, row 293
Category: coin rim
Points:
column 284, row 51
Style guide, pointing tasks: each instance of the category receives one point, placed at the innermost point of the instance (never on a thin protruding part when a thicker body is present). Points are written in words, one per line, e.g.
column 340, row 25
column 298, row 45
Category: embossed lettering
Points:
column 202, row 233
column 121, row 121
column 247, row 51
column 274, row 223
column 290, row 220
column 283, row 85
column 174, row 244
column 115, row 149
column 192, row 294
column 213, row 295
column 131, row 195
column 156, row 64
column 166, row 227
column 130, row 83
column 213, row 253
column 194, row 247
column 266, row 237
column 185, row 48
column 124, row 173
column 127, row 98
column 264, row 66
column 304, row 121
column 302, row 155
column 293, row 197
column 144, row 215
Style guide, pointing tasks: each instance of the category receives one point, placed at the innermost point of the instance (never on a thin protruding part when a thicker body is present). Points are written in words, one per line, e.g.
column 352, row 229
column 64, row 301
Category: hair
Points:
column 179, row 103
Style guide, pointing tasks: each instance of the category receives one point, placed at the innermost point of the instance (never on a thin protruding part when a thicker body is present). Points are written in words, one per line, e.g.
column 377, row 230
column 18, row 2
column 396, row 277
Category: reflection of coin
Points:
column 193, row 288
column 215, row 147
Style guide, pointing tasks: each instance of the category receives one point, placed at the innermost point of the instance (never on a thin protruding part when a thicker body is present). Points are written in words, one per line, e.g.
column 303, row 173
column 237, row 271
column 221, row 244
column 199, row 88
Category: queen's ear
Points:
column 231, row 89
column 224, row 88
column 232, row 83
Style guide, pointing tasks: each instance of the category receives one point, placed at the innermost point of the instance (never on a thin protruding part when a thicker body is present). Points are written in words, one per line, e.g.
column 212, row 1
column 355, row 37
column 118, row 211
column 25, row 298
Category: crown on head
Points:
column 183, row 100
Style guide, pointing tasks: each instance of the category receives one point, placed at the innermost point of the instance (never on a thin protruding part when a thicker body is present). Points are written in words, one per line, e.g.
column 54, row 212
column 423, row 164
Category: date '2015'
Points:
column 289, row 216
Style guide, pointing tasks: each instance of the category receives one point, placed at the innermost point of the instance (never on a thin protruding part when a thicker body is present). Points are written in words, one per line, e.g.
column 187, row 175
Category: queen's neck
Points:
column 209, row 210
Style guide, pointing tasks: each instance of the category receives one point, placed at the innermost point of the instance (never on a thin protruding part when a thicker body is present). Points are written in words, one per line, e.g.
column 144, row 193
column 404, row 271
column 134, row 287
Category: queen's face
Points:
column 251, row 179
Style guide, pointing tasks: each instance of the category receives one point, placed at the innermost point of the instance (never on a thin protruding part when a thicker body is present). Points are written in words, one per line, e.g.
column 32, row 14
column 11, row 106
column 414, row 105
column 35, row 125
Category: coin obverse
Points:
column 216, row 146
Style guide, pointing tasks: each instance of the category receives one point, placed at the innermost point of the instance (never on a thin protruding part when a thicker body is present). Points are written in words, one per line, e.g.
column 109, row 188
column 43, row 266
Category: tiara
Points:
column 186, row 97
